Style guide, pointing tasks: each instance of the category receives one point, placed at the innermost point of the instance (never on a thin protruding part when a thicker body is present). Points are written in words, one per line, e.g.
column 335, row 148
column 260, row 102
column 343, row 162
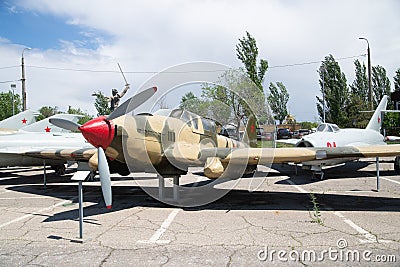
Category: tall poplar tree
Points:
column 278, row 99
column 380, row 84
column 396, row 79
column 333, row 84
column 247, row 52
column 360, row 83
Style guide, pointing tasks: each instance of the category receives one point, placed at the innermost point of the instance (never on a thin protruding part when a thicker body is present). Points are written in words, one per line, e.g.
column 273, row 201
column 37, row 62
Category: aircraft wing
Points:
column 69, row 154
column 304, row 154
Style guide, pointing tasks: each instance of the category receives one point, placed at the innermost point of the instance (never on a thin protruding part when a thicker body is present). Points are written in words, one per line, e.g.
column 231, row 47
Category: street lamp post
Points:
column 369, row 73
column 13, row 86
column 23, row 79
column 322, row 73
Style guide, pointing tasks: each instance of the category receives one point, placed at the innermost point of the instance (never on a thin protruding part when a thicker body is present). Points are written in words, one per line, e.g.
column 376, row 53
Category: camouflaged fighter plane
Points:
column 170, row 141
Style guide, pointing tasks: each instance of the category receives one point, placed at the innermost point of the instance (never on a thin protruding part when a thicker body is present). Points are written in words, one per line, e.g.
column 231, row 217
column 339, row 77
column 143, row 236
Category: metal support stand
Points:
column 161, row 187
column 44, row 176
column 377, row 174
column 80, row 194
column 176, row 188
column 80, row 176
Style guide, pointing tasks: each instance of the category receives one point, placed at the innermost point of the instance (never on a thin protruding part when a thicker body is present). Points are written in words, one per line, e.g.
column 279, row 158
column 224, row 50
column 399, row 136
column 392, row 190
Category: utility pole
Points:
column 23, row 79
column 369, row 73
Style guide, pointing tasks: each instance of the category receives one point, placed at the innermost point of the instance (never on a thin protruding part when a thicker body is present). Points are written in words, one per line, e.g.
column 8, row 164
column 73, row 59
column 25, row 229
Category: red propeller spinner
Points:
column 99, row 132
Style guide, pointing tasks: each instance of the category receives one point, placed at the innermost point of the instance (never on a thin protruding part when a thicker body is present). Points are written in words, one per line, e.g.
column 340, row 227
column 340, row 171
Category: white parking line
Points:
column 297, row 186
column 369, row 238
column 37, row 212
column 390, row 180
column 38, row 197
column 164, row 226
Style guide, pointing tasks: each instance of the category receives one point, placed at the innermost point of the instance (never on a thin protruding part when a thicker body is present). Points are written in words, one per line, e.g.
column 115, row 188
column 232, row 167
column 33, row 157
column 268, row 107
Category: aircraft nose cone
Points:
column 99, row 132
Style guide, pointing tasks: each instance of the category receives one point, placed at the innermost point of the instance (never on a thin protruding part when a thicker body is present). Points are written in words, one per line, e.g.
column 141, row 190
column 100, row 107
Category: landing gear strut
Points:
column 59, row 169
column 317, row 173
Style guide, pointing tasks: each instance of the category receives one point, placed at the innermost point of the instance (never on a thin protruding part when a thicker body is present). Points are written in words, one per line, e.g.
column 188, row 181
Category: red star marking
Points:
column 379, row 120
column 252, row 128
column 47, row 129
column 24, row 121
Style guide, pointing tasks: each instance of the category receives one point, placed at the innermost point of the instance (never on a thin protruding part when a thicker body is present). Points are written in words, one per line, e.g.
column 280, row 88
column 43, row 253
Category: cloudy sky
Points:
column 76, row 45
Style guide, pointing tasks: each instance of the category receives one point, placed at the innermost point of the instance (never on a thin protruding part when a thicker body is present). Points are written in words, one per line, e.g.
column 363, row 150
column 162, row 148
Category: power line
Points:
column 10, row 81
column 176, row 72
column 10, row 67
column 314, row 62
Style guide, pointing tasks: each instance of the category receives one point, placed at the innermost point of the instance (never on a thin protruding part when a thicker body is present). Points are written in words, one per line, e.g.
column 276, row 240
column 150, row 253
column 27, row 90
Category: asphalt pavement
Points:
column 281, row 217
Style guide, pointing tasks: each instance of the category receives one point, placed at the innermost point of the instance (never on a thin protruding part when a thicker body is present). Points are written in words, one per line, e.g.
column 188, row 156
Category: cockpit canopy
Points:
column 328, row 127
column 192, row 120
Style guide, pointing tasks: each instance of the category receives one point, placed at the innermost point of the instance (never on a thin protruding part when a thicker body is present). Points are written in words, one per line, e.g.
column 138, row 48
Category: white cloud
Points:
column 153, row 35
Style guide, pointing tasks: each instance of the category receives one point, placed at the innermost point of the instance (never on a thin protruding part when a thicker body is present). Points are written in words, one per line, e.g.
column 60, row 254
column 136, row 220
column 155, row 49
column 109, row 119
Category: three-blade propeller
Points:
column 95, row 130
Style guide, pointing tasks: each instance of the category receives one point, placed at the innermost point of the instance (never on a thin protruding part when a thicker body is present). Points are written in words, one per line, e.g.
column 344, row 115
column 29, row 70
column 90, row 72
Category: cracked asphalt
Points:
column 277, row 224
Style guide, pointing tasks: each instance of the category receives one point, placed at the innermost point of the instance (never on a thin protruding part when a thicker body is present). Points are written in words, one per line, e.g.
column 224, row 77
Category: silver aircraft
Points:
column 18, row 121
column 15, row 147
column 329, row 135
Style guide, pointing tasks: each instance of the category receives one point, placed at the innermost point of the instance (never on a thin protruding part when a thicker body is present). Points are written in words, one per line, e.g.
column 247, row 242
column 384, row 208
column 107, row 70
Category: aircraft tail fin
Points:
column 45, row 125
column 250, row 136
column 19, row 120
column 376, row 120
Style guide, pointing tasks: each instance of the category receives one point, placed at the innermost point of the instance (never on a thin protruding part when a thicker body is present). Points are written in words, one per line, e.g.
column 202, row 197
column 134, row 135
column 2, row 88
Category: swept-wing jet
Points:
column 41, row 136
column 330, row 135
column 169, row 141
column 29, row 123
column 44, row 126
column 18, row 121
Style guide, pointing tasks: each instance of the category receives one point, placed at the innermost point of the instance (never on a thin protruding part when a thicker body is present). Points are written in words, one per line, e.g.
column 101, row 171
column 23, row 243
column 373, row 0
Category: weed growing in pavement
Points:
column 315, row 214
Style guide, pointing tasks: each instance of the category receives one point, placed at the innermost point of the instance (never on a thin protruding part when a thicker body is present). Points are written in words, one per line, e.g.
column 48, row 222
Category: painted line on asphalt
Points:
column 390, row 180
column 382, row 177
column 38, row 197
column 37, row 212
column 369, row 238
column 164, row 226
column 297, row 186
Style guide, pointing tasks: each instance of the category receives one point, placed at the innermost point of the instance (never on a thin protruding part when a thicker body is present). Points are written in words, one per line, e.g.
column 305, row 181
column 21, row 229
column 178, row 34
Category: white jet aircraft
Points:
column 330, row 135
column 16, row 146
column 18, row 121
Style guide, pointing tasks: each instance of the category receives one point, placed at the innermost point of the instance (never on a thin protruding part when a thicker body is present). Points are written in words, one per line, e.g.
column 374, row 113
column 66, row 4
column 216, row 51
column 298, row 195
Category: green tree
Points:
column 358, row 97
column 278, row 99
column 101, row 103
column 238, row 96
column 6, row 104
column 247, row 52
column 333, row 83
column 396, row 79
column 360, row 83
column 380, row 84
column 47, row 111
column 308, row 125
column 85, row 116
column 194, row 104
column 191, row 103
